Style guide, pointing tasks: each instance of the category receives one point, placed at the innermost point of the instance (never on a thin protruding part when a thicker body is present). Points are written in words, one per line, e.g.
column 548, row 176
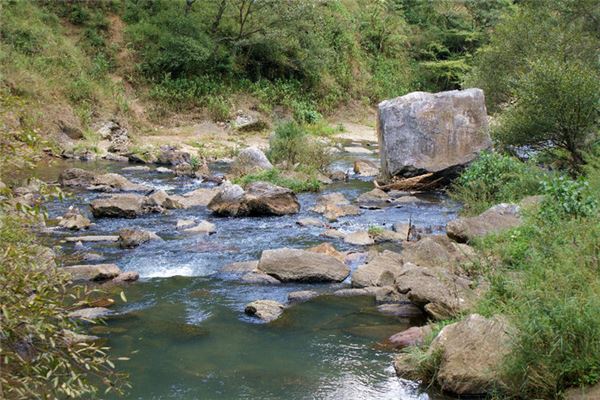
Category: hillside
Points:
column 68, row 67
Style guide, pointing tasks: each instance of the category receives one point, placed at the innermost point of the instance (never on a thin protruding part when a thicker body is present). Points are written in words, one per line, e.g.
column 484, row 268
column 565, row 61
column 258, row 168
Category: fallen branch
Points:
column 420, row 182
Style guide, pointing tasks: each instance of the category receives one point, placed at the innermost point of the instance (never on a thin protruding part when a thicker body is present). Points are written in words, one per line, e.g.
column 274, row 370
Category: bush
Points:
column 557, row 105
column 297, row 182
column 38, row 360
column 293, row 147
column 567, row 198
column 495, row 178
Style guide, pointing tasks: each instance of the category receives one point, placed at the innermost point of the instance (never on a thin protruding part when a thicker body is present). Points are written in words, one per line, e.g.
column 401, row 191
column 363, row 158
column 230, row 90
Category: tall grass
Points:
column 546, row 280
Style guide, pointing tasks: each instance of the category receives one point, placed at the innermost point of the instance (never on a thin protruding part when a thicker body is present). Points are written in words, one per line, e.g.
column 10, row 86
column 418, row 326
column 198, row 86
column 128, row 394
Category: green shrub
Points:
column 567, row 198
column 297, row 183
column 305, row 113
column 375, row 230
column 38, row 361
column 556, row 105
column 291, row 146
column 495, row 178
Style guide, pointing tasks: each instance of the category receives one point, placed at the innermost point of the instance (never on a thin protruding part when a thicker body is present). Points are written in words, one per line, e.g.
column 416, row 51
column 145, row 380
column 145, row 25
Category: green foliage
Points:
column 297, row 183
column 375, row 230
column 293, row 147
column 38, row 359
column 531, row 33
column 551, row 291
column 557, row 104
column 567, row 198
column 315, row 55
column 495, row 178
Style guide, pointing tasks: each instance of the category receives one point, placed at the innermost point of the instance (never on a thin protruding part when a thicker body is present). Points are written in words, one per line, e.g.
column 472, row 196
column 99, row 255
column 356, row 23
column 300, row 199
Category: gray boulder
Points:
column 360, row 238
column 259, row 198
column 366, row 168
column 90, row 314
column 170, row 155
column 334, row 205
column 266, row 310
column 499, row 218
column 196, row 198
column 130, row 238
column 203, row 226
column 413, row 336
column 98, row 272
column 424, row 132
column 301, row 296
column 294, row 265
column 77, row 177
column 438, row 251
column 440, row 293
column 123, row 206
column 472, row 354
column 250, row 160
column 380, row 271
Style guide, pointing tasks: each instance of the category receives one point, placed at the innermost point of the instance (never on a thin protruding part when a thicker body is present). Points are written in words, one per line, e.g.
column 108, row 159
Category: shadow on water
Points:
column 184, row 326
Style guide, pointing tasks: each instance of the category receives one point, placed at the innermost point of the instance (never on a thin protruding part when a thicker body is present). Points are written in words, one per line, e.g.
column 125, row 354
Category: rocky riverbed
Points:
column 194, row 324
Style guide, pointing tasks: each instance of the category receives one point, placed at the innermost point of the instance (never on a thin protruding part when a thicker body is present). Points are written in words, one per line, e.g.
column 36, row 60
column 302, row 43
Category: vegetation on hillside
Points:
column 66, row 65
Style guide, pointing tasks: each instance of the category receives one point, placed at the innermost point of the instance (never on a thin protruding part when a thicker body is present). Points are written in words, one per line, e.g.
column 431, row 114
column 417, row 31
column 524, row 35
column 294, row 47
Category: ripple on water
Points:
column 185, row 329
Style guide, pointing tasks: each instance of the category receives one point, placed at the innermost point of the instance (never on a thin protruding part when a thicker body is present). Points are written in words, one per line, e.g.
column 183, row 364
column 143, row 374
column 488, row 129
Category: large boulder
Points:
column 472, row 352
column 79, row 178
column 170, row 155
column 264, row 198
column 328, row 249
column 334, row 205
column 438, row 251
column 204, row 227
column 439, row 292
column 379, row 271
column 424, row 132
column 360, row 238
column 123, row 206
column 413, row 336
column 196, row 198
column 266, row 310
column 294, row 265
column 259, row 198
column 250, row 160
column 499, row 218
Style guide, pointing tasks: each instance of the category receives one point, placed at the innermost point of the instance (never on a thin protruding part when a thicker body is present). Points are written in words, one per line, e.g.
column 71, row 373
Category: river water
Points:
column 183, row 325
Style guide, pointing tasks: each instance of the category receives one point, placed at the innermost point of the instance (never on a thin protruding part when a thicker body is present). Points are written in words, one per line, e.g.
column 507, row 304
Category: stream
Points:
column 183, row 325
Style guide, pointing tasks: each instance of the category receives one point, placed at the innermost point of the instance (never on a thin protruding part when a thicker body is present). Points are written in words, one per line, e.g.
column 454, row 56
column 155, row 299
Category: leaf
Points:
column 123, row 297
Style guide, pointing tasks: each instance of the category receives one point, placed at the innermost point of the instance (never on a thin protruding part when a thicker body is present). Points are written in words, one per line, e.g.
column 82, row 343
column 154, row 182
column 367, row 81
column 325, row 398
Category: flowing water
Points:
column 183, row 326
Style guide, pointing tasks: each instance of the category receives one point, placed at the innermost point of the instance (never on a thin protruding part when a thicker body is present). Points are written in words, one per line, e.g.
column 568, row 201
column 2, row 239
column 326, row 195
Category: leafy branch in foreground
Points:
column 39, row 351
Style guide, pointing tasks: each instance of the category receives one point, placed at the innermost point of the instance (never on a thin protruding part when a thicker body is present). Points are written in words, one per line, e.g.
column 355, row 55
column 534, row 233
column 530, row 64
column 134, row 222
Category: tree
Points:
column 556, row 104
column 533, row 31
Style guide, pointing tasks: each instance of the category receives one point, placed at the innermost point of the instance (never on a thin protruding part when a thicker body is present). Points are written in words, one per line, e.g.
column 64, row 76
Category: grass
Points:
column 375, row 230
column 495, row 178
column 545, row 277
column 276, row 177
